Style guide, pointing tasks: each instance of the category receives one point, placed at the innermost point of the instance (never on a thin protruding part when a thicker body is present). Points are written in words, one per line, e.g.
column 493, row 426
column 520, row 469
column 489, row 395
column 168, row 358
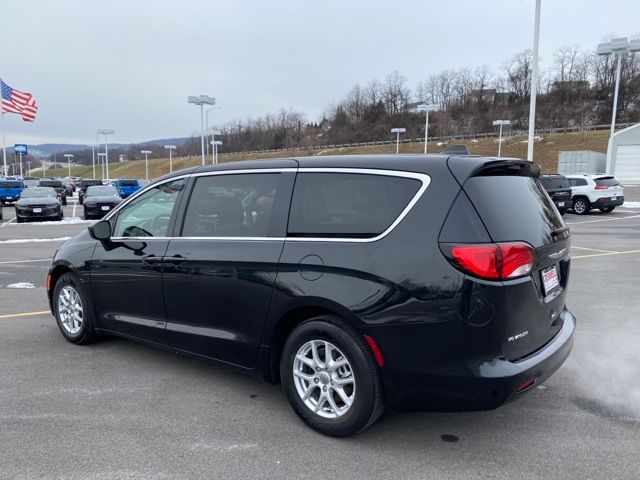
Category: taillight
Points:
column 494, row 261
column 601, row 187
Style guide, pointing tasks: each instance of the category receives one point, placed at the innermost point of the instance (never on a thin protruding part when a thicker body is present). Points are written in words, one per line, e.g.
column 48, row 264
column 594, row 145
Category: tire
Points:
column 19, row 219
column 581, row 206
column 607, row 209
column 64, row 201
column 364, row 389
column 82, row 332
column 80, row 200
column 562, row 211
column 86, row 215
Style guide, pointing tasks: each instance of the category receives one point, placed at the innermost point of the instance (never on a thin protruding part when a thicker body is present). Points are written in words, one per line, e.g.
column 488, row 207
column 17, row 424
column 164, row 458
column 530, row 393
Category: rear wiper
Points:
column 558, row 231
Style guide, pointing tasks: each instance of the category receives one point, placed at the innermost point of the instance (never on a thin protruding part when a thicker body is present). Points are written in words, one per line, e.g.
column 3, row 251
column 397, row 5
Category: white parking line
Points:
column 29, row 240
column 26, row 261
column 73, row 214
column 7, row 222
column 603, row 220
column 594, row 249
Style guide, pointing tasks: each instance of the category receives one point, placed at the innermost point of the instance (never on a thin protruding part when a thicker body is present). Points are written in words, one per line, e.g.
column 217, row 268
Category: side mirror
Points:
column 100, row 230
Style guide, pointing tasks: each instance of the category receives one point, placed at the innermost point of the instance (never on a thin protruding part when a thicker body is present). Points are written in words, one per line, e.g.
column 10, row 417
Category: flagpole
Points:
column 4, row 150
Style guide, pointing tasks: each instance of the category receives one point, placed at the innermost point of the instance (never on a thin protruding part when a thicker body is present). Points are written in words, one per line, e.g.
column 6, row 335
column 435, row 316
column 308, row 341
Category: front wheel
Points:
column 607, row 209
column 72, row 311
column 330, row 377
column 581, row 206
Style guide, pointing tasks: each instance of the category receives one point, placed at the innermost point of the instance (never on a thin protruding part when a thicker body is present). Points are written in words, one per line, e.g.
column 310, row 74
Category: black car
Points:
column 559, row 189
column 39, row 203
column 58, row 186
column 358, row 282
column 84, row 184
column 68, row 187
column 100, row 200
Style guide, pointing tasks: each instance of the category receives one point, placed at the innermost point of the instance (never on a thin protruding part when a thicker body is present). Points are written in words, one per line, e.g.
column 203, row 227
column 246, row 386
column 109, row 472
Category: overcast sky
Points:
column 129, row 65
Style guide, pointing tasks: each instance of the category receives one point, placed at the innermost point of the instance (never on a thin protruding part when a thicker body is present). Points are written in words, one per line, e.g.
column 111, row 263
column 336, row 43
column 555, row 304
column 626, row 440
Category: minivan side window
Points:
column 347, row 205
column 234, row 205
column 149, row 214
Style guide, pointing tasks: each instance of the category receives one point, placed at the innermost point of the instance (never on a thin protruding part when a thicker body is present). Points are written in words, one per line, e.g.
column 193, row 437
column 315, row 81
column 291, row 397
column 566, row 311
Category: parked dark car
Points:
column 39, row 203
column 100, row 200
column 358, row 282
column 84, row 184
column 10, row 190
column 58, row 186
column 69, row 187
column 559, row 189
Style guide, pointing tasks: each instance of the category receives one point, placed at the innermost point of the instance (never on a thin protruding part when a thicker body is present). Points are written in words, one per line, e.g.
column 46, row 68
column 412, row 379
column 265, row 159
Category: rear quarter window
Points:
column 344, row 205
column 607, row 182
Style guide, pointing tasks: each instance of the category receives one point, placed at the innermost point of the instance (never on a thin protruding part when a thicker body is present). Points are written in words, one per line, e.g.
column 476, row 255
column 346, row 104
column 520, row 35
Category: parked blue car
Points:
column 126, row 186
column 10, row 190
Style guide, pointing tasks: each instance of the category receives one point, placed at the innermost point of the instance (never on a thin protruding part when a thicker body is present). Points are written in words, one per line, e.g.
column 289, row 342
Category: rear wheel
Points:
column 607, row 209
column 330, row 377
column 581, row 206
column 64, row 201
column 72, row 310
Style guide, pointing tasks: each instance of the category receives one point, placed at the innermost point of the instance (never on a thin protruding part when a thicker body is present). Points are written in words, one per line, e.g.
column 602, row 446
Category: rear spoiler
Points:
column 465, row 167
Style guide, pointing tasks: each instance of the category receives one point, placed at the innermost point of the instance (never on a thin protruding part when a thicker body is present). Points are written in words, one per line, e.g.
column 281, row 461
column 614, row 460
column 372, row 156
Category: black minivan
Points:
column 358, row 282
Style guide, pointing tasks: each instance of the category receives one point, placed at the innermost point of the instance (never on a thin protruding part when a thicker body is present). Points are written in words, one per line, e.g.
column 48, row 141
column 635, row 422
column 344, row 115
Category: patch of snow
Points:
column 29, row 240
column 440, row 144
column 21, row 285
column 630, row 205
column 473, row 140
column 64, row 221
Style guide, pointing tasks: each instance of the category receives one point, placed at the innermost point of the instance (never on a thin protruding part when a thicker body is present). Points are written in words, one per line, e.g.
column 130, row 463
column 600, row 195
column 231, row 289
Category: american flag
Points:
column 21, row 103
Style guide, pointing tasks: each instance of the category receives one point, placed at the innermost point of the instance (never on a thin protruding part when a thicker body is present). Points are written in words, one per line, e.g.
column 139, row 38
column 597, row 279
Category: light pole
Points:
column 398, row 131
column 501, row 123
column 93, row 159
column 146, row 162
column 106, row 132
column 28, row 168
column 426, row 108
column 68, row 156
column 215, row 144
column 202, row 100
column 534, row 82
column 621, row 47
column 171, row 148
column 214, row 154
column 101, row 155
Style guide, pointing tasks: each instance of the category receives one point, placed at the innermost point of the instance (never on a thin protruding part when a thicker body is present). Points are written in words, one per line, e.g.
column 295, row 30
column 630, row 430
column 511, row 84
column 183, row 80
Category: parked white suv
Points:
column 599, row 191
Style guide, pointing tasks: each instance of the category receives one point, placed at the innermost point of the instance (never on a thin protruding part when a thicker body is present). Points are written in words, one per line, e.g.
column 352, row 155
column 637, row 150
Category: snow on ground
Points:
column 630, row 205
column 21, row 285
column 64, row 221
column 31, row 240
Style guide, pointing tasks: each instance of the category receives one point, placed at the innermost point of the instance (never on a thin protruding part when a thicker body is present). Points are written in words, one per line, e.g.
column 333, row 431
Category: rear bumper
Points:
column 96, row 211
column 475, row 384
column 45, row 214
column 606, row 202
column 563, row 204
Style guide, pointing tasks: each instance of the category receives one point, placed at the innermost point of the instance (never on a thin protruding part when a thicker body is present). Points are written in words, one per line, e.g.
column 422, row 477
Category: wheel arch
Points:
column 288, row 319
column 54, row 275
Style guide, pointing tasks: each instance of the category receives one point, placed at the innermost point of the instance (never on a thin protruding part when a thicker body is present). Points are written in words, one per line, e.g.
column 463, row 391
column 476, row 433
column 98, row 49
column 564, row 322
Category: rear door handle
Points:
column 175, row 260
column 151, row 260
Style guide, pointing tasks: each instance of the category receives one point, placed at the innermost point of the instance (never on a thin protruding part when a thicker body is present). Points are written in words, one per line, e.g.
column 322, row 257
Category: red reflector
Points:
column 495, row 261
column 376, row 351
column 525, row 385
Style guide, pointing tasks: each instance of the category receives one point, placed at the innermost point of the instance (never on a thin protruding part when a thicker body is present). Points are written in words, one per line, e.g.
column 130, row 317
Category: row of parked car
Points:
column 43, row 198
column 583, row 192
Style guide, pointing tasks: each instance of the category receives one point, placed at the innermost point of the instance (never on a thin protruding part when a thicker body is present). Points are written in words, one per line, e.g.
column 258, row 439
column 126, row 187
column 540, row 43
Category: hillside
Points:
column 546, row 153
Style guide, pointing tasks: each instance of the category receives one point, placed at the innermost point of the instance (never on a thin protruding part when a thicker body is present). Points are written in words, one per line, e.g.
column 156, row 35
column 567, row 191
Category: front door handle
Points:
column 151, row 260
column 175, row 260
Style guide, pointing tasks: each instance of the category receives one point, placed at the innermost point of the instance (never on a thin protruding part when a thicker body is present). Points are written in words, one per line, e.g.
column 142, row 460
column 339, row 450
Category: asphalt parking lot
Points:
column 117, row 409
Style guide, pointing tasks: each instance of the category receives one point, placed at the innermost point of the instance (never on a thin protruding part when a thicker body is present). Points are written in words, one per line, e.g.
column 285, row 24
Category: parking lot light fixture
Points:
column 500, row 123
column 101, row 157
column 215, row 144
column 69, row 156
column 398, row 131
column 426, row 108
column 93, row 159
column 106, row 132
column 534, row 81
column 201, row 100
column 171, row 148
column 214, row 150
column 206, row 121
column 146, row 162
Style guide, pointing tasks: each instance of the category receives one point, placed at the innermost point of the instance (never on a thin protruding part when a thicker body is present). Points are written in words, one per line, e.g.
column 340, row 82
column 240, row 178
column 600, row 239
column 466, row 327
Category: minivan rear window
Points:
column 515, row 208
column 346, row 205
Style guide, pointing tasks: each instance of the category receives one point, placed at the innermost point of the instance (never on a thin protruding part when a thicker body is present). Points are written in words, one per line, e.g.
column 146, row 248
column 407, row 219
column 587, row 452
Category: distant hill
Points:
column 46, row 149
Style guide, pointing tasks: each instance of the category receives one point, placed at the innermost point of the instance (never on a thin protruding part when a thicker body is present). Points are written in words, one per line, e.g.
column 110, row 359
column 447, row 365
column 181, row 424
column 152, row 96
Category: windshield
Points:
column 98, row 191
column 38, row 193
column 10, row 185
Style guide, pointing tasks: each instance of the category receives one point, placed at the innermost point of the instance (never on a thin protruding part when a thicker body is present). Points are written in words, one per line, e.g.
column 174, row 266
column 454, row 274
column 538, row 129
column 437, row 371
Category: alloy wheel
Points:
column 324, row 379
column 70, row 309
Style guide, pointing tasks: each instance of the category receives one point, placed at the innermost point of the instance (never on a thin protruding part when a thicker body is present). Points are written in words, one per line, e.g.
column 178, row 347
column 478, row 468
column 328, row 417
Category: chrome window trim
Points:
column 423, row 177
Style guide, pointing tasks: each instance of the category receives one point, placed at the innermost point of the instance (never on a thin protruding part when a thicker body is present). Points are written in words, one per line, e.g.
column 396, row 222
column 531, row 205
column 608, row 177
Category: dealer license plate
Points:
column 37, row 210
column 550, row 279
column 561, row 204
column 105, row 208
